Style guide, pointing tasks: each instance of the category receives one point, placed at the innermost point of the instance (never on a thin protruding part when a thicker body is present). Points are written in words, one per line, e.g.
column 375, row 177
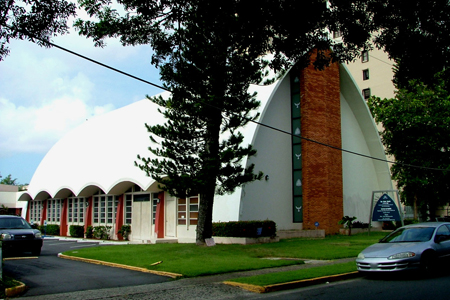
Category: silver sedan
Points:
column 409, row 247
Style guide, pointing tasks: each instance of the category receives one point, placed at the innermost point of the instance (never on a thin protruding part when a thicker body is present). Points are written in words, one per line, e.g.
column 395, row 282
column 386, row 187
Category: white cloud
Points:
column 34, row 129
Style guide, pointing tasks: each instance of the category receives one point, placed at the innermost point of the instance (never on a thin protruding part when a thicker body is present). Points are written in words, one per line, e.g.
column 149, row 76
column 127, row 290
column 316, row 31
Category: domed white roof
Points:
column 102, row 151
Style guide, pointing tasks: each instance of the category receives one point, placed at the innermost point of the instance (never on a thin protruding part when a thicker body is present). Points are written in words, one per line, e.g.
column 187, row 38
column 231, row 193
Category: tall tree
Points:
column 33, row 20
column 209, row 52
column 415, row 131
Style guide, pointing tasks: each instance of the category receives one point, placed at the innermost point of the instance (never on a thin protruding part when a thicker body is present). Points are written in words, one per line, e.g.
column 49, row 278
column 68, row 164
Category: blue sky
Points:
column 45, row 93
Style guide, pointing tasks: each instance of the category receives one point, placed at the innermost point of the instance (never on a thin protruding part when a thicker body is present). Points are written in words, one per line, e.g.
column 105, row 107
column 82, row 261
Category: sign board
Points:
column 385, row 210
column 210, row 242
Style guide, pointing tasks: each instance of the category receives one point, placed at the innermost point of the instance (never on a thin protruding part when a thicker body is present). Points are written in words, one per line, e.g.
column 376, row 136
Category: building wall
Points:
column 380, row 74
column 361, row 175
column 272, row 199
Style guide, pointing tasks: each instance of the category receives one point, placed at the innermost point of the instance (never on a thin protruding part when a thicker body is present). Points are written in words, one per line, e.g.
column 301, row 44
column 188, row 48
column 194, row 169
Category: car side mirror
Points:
column 440, row 238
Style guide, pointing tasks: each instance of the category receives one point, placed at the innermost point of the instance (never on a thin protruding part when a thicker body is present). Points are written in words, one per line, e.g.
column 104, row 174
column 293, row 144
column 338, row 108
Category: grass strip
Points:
column 191, row 260
column 290, row 276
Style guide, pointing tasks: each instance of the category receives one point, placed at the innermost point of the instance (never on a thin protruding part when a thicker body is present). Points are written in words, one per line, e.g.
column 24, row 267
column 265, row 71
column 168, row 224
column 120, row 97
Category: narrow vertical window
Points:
column 366, row 93
column 365, row 56
column 366, row 74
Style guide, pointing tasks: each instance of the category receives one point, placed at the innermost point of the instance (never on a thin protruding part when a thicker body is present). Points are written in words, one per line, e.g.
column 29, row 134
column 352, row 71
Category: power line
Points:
column 215, row 107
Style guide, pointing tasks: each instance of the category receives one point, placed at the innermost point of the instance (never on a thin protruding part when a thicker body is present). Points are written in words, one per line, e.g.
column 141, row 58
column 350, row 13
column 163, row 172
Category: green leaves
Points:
column 36, row 21
column 415, row 131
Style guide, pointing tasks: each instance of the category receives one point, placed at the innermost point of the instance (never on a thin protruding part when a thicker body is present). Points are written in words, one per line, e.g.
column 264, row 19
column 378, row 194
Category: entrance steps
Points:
column 166, row 241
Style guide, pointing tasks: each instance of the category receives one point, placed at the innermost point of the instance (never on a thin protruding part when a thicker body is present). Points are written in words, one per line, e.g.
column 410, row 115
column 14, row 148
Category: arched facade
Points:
column 89, row 177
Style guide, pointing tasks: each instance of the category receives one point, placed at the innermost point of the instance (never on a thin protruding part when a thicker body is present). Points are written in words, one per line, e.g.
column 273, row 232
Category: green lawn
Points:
column 191, row 260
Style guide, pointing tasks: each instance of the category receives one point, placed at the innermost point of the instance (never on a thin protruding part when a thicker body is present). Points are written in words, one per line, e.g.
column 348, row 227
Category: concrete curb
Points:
column 15, row 291
column 294, row 284
column 109, row 264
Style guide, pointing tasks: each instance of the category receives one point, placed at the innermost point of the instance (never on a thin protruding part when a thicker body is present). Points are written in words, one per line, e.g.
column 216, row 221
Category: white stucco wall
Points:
column 272, row 199
column 361, row 175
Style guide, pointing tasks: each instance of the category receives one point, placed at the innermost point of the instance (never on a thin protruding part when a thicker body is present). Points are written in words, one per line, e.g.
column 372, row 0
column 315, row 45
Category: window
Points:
column 53, row 210
column 188, row 211
column 76, row 210
column 155, row 201
column 366, row 74
column 181, row 211
column 366, row 93
column 193, row 210
column 104, row 210
column 35, row 211
column 128, row 208
column 365, row 56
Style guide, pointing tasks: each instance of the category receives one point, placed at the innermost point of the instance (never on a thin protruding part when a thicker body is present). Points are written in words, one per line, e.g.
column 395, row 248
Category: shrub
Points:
column 102, row 232
column 125, row 231
column 76, row 230
column 359, row 224
column 90, row 232
column 52, row 229
column 252, row 229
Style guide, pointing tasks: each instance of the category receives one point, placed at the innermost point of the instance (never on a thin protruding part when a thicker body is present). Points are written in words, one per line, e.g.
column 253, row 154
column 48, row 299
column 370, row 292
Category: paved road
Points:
column 95, row 282
column 49, row 274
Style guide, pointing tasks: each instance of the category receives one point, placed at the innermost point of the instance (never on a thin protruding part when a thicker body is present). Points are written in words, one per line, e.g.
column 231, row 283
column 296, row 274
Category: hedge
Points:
column 251, row 229
column 76, row 231
column 52, row 229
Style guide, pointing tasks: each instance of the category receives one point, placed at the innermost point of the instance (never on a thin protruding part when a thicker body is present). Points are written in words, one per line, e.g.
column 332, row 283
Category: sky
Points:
column 45, row 93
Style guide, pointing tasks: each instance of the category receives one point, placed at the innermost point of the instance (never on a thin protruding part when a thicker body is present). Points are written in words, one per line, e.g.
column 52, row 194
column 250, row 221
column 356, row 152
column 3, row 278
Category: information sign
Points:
column 385, row 210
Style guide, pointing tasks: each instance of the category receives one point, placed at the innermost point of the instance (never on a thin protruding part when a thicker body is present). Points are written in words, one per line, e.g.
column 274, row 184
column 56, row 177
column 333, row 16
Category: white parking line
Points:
column 60, row 243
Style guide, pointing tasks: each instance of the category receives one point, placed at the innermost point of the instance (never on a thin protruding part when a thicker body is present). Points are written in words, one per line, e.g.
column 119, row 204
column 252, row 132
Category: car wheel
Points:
column 428, row 263
column 36, row 251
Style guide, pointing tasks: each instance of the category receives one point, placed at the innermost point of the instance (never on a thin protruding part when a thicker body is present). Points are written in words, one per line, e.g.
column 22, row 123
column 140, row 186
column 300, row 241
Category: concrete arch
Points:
column 89, row 190
column 25, row 197
column 43, row 195
column 121, row 187
column 63, row 193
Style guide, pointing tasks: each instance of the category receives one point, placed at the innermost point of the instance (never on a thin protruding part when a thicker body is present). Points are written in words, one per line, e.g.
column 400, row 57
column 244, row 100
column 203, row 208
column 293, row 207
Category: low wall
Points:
column 289, row 234
column 344, row 231
column 244, row 240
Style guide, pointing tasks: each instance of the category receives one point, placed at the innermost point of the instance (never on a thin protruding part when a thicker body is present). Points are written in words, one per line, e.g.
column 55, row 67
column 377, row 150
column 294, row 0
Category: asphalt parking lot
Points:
column 48, row 274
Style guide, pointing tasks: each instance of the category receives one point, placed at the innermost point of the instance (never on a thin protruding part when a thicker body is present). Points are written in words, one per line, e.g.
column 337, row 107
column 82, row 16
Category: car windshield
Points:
column 409, row 234
column 14, row 223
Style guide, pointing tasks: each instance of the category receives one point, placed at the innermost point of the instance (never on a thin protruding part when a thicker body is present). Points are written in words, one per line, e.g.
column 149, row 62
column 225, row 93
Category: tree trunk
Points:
column 210, row 172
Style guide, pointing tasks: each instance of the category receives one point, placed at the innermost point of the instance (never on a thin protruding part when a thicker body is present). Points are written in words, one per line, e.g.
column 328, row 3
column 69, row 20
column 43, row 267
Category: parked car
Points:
column 18, row 236
column 409, row 247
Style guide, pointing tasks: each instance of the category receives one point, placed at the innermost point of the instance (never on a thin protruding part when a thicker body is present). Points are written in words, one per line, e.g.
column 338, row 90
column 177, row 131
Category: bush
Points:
column 251, row 229
column 52, row 229
column 125, row 231
column 102, row 232
column 90, row 232
column 359, row 224
column 76, row 230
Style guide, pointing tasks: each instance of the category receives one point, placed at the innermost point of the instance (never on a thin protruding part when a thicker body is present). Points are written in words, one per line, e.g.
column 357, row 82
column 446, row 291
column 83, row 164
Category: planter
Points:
column 244, row 240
